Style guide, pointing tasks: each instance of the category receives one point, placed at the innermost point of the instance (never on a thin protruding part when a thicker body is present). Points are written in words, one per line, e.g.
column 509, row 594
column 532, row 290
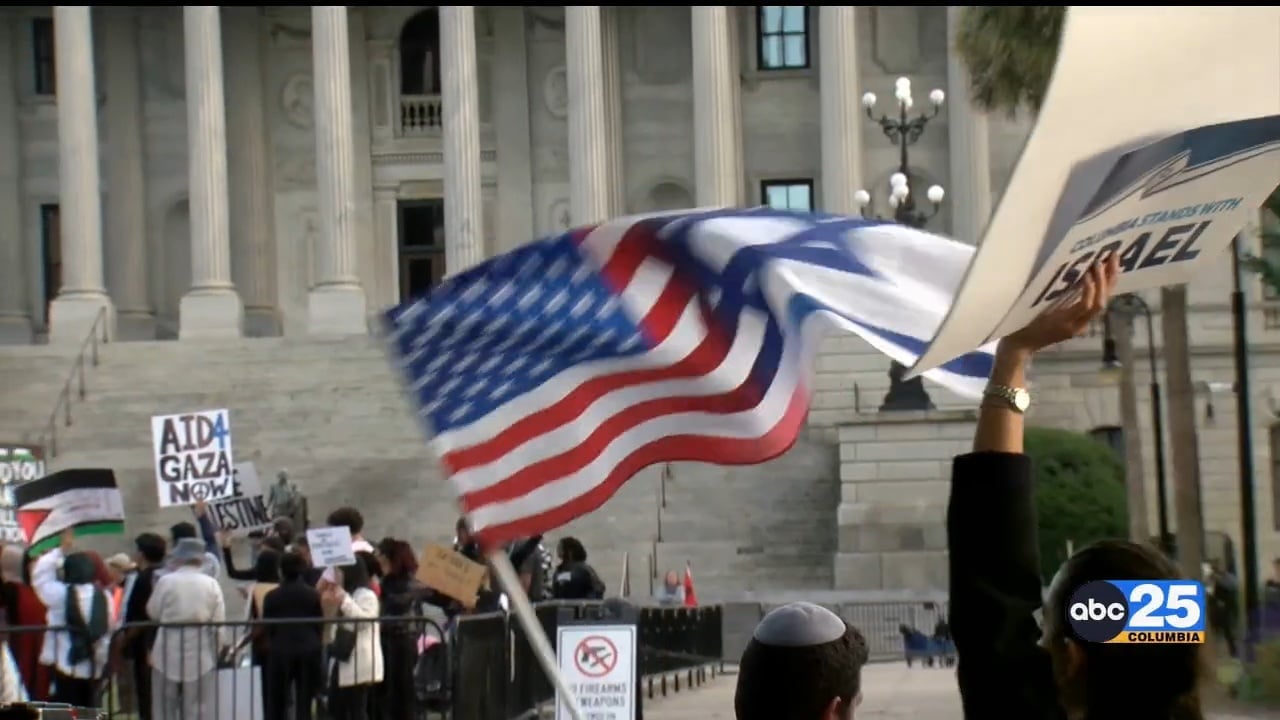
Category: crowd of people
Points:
column 149, row 632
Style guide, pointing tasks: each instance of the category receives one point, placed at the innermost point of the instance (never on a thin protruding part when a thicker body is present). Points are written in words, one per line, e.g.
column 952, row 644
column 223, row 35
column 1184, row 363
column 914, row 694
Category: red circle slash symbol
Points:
column 595, row 656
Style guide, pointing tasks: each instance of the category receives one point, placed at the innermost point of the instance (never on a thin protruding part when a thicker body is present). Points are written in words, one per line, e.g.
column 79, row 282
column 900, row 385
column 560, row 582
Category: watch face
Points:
column 1021, row 399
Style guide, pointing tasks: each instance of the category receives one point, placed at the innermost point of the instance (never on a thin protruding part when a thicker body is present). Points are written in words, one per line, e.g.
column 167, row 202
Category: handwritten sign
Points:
column 193, row 457
column 246, row 511
column 451, row 573
column 331, row 546
column 18, row 464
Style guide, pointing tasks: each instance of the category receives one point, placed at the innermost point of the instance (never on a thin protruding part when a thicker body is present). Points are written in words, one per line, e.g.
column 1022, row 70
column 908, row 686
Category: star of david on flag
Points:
column 549, row 376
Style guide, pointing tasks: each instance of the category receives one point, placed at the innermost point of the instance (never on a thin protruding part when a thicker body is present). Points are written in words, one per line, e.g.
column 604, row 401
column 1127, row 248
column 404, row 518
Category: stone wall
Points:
column 894, row 482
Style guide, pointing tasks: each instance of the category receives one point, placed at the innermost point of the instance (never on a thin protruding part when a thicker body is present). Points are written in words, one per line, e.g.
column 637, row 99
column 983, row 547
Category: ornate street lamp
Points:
column 903, row 130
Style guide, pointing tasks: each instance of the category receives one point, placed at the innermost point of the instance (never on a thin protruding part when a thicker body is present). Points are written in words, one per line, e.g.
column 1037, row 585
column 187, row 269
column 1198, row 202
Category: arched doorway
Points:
column 177, row 268
column 669, row 195
column 420, row 73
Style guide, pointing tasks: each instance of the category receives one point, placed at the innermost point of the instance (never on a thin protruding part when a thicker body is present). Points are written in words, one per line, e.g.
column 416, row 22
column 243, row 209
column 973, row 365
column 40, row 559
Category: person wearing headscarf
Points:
column 78, row 653
column 23, row 609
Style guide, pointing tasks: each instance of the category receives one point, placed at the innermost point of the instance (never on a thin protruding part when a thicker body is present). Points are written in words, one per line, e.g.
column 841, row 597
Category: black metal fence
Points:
column 478, row 667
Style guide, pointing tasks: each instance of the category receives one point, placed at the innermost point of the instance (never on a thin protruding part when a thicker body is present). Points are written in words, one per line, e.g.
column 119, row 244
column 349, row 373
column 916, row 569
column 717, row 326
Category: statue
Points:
column 287, row 502
column 905, row 394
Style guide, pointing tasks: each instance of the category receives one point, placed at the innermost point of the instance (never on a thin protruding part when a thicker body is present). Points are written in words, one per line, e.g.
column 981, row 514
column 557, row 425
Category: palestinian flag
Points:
column 87, row 500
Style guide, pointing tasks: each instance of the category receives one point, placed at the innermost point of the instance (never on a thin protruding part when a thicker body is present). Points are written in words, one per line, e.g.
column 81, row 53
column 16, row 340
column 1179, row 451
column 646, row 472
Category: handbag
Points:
column 343, row 645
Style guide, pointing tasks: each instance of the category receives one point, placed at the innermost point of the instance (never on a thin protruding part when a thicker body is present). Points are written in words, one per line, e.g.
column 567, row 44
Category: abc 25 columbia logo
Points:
column 1138, row 611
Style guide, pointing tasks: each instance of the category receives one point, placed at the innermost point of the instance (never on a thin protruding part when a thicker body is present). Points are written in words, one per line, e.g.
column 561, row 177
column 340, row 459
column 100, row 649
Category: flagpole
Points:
column 523, row 609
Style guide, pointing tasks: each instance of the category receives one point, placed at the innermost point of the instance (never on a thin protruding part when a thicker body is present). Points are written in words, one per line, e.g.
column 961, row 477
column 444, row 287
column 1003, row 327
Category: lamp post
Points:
column 1244, row 438
column 1130, row 304
column 903, row 130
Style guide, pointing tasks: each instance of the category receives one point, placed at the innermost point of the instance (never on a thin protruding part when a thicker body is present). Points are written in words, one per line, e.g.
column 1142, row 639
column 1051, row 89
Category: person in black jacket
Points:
column 138, row 640
column 1008, row 666
column 574, row 579
column 294, row 660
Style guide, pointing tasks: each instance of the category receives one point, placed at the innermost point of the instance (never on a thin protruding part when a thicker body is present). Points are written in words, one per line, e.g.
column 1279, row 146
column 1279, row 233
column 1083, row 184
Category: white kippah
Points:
column 799, row 624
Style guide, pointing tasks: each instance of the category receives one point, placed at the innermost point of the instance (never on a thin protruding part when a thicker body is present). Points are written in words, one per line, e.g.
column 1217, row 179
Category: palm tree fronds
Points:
column 1010, row 53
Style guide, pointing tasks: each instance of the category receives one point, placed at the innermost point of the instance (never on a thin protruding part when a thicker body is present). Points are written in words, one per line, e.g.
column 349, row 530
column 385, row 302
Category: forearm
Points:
column 1000, row 426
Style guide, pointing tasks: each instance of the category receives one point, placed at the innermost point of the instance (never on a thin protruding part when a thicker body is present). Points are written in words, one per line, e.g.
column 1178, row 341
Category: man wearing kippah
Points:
column 803, row 663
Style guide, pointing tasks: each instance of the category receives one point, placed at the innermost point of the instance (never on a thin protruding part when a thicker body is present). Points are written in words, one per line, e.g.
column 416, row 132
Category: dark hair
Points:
column 273, row 543
column 292, row 565
column 370, row 562
column 348, row 517
column 813, row 676
column 182, row 530
column 266, row 569
column 1168, row 674
column 151, row 547
column 462, row 526
column 571, row 549
column 355, row 576
column 400, row 558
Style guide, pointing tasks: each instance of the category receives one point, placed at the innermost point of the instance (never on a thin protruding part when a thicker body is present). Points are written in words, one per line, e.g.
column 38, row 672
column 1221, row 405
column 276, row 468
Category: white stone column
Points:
column 610, row 50
column 337, row 304
column 15, row 317
column 969, row 140
column 83, row 293
column 460, row 97
column 590, row 177
column 211, row 308
column 841, row 104
column 126, row 211
column 249, row 155
column 717, row 148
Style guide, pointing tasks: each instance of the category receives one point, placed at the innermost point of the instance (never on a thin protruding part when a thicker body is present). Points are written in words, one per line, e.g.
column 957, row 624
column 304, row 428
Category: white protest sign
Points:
column 246, row 511
column 18, row 464
column 193, row 457
column 598, row 662
column 1076, row 189
column 331, row 546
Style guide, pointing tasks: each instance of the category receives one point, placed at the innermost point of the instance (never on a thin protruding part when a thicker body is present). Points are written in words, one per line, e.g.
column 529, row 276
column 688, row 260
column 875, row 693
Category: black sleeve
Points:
column 136, row 610
column 232, row 572
column 523, row 550
column 996, row 590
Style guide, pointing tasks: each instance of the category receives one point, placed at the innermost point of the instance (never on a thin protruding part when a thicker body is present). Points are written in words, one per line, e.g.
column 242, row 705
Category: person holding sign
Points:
column 78, row 654
column 355, row 649
column 1008, row 666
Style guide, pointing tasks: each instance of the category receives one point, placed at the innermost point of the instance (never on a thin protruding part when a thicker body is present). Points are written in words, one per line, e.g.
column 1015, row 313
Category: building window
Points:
column 782, row 34
column 51, row 252
column 420, row 54
column 42, row 62
column 421, row 253
column 1112, row 437
column 787, row 194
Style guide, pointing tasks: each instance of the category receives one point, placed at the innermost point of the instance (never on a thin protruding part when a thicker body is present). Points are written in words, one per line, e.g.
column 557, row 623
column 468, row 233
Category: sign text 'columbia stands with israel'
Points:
column 193, row 458
column 19, row 464
column 246, row 510
column 1165, row 178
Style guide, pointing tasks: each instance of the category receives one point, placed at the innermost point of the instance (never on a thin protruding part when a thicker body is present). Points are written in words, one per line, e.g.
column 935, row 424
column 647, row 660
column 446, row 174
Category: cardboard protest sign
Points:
column 331, row 546
column 451, row 573
column 87, row 500
column 19, row 464
column 1165, row 175
column 246, row 510
column 193, row 458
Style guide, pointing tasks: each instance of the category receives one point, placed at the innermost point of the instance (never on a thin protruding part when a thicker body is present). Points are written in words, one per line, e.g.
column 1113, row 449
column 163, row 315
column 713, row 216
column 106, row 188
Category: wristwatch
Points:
column 1017, row 399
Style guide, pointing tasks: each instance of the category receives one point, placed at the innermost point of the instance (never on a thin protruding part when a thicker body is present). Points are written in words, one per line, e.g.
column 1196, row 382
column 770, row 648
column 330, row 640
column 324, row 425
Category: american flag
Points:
column 550, row 375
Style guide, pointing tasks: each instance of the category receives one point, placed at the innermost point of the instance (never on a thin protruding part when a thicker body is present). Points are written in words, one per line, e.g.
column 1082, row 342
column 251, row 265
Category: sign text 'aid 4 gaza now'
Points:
column 1138, row 611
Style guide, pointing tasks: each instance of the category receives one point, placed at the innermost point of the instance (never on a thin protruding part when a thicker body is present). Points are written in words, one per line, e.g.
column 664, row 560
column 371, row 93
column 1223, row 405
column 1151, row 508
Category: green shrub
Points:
column 1080, row 493
column 1262, row 678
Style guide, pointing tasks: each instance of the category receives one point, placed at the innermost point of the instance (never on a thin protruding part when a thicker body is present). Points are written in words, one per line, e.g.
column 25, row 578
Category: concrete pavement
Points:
column 890, row 691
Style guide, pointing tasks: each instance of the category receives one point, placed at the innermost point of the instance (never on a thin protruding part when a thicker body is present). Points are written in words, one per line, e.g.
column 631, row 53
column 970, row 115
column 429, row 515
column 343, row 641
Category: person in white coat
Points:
column 188, row 604
column 355, row 648
column 79, row 650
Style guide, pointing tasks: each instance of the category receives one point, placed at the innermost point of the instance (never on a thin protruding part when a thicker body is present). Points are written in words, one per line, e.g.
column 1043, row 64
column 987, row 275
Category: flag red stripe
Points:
column 693, row 448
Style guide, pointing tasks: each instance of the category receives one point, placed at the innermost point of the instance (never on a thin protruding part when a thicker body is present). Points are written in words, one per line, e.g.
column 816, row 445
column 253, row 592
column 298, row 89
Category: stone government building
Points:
column 244, row 188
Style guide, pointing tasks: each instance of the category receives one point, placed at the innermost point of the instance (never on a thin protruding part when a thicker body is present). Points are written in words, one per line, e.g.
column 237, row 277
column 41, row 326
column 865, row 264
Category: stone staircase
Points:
column 333, row 414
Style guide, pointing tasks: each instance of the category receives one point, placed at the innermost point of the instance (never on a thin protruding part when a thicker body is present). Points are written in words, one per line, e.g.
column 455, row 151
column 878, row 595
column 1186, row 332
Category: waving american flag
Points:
column 550, row 375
